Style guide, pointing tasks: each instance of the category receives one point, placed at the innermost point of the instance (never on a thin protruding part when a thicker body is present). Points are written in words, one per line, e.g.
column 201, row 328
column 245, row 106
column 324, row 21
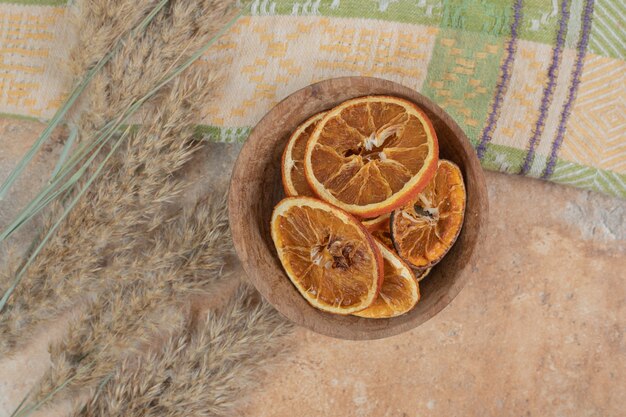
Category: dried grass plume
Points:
column 133, row 194
column 198, row 373
column 128, row 256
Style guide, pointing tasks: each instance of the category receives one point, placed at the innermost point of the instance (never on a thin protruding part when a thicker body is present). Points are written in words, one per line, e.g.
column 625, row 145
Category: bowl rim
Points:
column 323, row 328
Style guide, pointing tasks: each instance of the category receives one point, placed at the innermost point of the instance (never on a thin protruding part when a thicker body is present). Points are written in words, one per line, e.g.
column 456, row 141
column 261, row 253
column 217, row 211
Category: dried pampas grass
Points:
column 185, row 257
column 93, row 61
column 139, row 70
column 99, row 25
column 200, row 372
column 107, row 225
column 128, row 256
column 172, row 37
column 138, row 181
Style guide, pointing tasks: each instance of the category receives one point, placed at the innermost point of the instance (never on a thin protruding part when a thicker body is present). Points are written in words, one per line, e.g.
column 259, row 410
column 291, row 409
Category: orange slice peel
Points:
column 292, row 164
column 420, row 274
column 377, row 223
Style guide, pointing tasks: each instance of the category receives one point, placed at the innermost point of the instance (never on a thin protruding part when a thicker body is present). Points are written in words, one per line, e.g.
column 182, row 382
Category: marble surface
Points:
column 538, row 330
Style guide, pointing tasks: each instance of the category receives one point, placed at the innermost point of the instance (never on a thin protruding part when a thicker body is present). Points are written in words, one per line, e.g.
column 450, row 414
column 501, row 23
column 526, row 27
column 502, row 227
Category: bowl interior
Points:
column 256, row 188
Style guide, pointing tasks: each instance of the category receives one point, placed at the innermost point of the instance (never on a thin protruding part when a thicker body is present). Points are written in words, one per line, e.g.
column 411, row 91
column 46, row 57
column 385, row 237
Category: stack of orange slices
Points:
column 370, row 207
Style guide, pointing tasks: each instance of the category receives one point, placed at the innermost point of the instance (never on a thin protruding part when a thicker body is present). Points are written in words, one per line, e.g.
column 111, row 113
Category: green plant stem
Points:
column 29, row 410
column 43, row 198
column 69, row 143
column 20, row 405
column 56, row 225
column 38, row 204
column 76, row 92
column 83, row 149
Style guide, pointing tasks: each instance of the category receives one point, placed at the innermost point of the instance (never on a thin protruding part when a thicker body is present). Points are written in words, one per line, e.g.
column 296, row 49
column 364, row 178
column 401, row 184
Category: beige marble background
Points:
column 538, row 330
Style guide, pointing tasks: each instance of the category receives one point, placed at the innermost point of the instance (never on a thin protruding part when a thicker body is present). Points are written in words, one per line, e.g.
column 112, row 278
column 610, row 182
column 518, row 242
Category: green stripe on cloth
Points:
column 608, row 37
column 581, row 176
column 21, row 117
column 503, row 158
column 469, row 15
column 459, row 61
column 497, row 158
column 223, row 134
column 493, row 18
column 509, row 160
column 426, row 12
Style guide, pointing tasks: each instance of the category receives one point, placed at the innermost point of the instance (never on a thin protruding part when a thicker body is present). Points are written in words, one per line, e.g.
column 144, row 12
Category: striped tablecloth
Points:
column 538, row 85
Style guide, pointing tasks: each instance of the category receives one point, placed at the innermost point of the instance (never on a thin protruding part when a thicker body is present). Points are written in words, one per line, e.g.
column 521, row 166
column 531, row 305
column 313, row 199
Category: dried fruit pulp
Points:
column 380, row 229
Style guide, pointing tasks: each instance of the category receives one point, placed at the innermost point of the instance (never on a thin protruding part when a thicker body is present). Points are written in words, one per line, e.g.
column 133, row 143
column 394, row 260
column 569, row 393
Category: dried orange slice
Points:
column 294, row 181
column 400, row 290
column 327, row 254
column 370, row 155
column 425, row 230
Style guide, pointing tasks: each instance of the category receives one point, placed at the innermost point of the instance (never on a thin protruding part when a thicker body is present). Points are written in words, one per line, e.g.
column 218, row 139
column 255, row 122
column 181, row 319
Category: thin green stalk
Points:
column 29, row 410
column 43, row 199
column 76, row 92
column 69, row 143
column 21, row 404
column 56, row 225
column 83, row 149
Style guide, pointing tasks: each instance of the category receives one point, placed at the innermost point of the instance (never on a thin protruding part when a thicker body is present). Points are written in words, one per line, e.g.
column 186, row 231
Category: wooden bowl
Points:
column 255, row 189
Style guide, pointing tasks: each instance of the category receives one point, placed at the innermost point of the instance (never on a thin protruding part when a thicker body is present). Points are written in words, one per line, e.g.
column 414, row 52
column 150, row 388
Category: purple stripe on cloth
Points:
column 505, row 76
column 576, row 74
column 548, row 91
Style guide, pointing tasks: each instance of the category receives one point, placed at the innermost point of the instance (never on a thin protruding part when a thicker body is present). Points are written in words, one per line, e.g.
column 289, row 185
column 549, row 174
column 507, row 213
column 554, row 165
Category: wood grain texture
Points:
column 256, row 188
